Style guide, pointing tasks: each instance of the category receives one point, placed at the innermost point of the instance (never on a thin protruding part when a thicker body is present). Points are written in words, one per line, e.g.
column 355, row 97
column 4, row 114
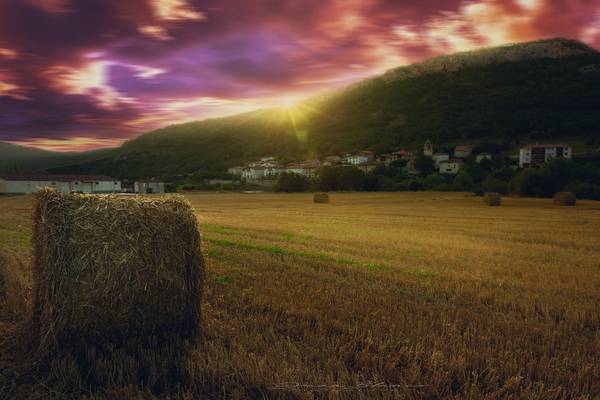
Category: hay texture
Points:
column 111, row 267
column 492, row 198
column 321, row 198
column 564, row 199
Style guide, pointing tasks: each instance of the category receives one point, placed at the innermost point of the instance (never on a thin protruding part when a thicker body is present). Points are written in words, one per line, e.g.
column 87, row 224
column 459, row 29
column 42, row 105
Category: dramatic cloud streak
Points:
column 87, row 74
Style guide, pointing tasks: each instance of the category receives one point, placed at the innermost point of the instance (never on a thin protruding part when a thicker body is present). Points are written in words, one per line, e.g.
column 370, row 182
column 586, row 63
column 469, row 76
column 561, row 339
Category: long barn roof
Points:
column 57, row 178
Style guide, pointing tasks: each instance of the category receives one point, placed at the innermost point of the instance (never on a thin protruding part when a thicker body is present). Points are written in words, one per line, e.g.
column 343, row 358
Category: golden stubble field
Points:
column 412, row 295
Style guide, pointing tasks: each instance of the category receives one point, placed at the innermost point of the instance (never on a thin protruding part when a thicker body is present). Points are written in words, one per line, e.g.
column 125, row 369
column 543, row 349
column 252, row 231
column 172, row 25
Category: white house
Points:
column 483, row 156
column 367, row 167
column 536, row 154
column 29, row 183
column 306, row 168
column 149, row 186
column 404, row 154
column 439, row 158
column 236, row 171
column 361, row 158
column 451, row 166
column 387, row 158
column 410, row 169
column 273, row 170
column 254, row 173
column 463, row 151
column 332, row 160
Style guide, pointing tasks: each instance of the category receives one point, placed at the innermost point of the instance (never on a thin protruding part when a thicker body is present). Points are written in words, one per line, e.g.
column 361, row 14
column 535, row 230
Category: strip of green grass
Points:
column 282, row 251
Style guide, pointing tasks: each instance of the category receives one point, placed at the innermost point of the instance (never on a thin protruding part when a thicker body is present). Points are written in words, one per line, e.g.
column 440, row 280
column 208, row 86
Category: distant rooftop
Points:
column 546, row 145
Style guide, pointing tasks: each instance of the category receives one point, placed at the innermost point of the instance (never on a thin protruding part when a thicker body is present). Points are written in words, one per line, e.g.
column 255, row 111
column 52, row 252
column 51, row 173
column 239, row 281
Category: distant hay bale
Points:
column 564, row 199
column 321, row 198
column 492, row 198
column 113, row 267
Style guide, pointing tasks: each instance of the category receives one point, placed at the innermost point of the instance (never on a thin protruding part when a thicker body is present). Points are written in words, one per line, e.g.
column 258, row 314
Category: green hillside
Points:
column 535, row 91
column 15, row 158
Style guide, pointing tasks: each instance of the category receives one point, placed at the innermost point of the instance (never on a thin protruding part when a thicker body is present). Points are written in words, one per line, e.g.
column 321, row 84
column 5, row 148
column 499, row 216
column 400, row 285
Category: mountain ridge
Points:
column 512, row 93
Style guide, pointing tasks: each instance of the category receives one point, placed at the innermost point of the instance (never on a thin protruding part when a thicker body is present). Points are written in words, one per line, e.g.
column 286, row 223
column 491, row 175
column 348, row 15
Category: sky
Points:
column 84, row 74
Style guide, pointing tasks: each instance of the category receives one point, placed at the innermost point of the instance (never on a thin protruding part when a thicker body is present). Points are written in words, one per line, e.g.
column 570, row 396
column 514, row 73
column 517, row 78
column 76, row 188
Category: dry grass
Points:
column 423, row 295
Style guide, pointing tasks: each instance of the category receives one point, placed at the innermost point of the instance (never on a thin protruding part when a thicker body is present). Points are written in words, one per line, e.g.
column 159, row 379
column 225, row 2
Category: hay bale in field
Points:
column 110, row 267
column 564, row 199
column 321, row 198
column 492, row 198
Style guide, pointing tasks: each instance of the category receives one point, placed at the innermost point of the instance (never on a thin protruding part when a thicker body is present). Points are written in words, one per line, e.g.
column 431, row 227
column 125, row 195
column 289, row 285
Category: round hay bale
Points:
column 564, row 199
column 492, row 198
column 321, row 198
column 114, row 267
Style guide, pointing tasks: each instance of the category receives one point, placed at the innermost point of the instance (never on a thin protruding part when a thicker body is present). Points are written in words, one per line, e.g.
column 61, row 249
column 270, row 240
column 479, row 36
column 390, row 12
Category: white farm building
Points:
column 29, row 183
column 537, row 154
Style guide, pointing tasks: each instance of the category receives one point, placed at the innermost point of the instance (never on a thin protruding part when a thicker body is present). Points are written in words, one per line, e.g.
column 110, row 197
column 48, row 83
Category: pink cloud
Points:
column 112, row 69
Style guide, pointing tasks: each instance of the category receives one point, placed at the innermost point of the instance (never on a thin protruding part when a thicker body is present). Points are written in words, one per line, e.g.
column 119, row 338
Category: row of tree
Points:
column 485, row 176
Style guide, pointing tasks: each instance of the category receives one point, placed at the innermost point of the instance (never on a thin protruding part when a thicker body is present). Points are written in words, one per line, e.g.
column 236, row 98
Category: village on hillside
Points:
column 265, row 171
column 267, row 168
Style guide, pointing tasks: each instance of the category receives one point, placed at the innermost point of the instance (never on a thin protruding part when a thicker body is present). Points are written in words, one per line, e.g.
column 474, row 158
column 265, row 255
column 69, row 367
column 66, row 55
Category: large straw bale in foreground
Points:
column 321, row 198
column 564, row 199
column 492, row 198
column 111, row 267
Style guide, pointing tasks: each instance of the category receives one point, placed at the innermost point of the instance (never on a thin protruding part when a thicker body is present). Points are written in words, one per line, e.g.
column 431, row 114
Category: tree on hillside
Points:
column 433, row 181
column 424, row 164
column 290, row 182
column 351, row 178
column 328, row 179
column 492, row 184
column 463, row 181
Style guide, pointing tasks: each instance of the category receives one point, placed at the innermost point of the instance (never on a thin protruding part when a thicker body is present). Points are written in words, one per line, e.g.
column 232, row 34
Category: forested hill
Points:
column 516, row 93
column 15, row 158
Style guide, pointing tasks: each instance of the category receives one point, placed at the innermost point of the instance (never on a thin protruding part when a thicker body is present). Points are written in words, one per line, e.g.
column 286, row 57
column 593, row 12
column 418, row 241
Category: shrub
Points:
column 463, row 182
column 433, row 180
column 584, row 190
column 424, row 164
column 491, row 184
column 290, row 182
column 415, row 185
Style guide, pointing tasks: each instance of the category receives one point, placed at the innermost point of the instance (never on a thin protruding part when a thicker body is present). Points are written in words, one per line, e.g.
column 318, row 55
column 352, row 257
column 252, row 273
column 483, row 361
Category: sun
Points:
column 287, row 102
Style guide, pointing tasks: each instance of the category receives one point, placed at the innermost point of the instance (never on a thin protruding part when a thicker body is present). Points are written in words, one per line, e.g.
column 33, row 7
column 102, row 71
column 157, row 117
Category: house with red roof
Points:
column 463, row 151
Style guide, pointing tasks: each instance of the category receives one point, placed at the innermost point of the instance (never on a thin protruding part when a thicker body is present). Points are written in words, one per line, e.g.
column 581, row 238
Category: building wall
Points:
column 439, row 158
column 354, row 160
column 26, row 187
column 149, row 187
column 483, row 156
column 253, row 173
column 106, row 187
column 449, row 167
column 529, row 156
